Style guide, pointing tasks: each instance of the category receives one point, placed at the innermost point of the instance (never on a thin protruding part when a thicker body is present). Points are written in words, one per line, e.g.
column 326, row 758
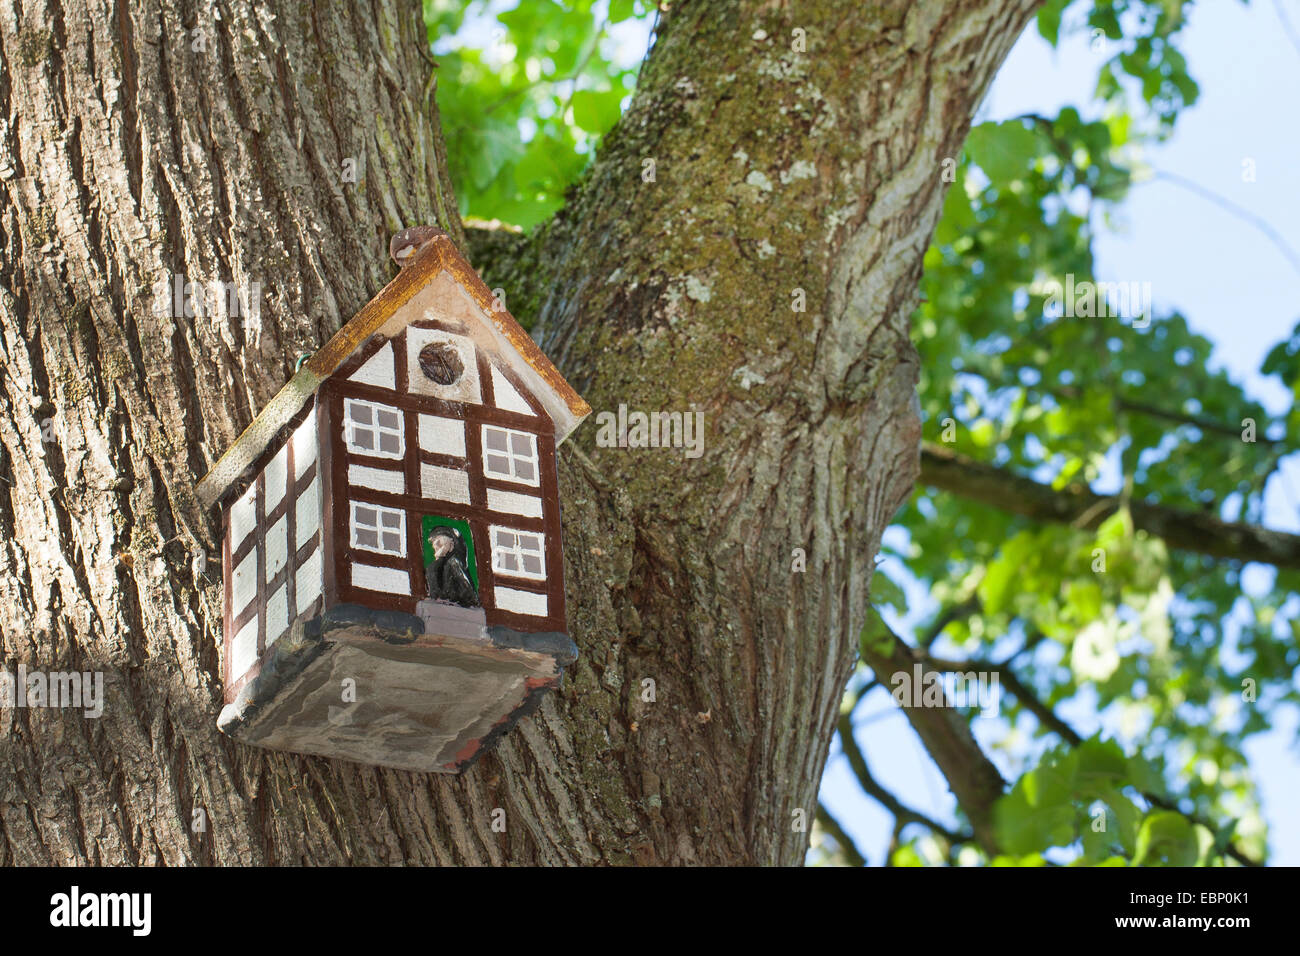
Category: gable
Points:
column 438, row 345
column 438, row 363
column 437, row 282
column 446, row 302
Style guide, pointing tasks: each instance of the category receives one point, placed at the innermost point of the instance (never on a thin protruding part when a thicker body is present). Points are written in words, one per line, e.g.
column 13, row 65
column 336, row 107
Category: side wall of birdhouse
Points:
column 272, row 549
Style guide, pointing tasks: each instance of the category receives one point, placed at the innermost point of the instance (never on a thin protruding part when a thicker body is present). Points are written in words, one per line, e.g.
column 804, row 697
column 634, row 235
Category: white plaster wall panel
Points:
column 507, row 396
column 465, row 388
column 380, row 479
column 388, row 580
column 509, row 502
column 444, row 484
column 304, row 445
column 243, row 583
column 307, row 513
column 521, row 602
column 274, row 479
column 277, row 547
column 377, row 370
column 243, row 649
column 277, row 614
column 309, row 581
column 446, row 436
column 243, row 516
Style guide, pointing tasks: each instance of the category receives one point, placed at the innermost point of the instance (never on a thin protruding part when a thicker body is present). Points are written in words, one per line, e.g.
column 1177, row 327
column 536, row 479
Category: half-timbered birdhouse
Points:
column 394, row 588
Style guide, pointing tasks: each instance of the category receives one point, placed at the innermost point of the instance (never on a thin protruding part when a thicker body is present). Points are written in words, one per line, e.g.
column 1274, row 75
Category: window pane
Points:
column 366, row 516
column 532, row 564
column 392, row 519
column 505, row 539
column 367, row 538
column 360, row 413
column 528, row 542
column 392, row 542
column 522, row 444
column 389, row 419
column 390, row 443
column 498, row 465
column 524, row 470
column 507, row 561
column 363, row 438
column 496, row 439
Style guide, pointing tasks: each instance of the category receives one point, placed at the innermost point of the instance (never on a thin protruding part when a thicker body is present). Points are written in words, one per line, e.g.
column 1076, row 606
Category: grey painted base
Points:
column 429, row 693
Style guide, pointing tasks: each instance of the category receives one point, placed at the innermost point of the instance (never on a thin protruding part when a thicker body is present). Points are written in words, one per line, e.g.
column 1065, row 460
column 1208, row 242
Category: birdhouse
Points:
column 394, row 586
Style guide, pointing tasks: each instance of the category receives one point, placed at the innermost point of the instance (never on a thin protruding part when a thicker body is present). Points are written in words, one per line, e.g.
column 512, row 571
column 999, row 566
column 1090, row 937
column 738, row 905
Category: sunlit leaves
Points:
column 1167, row 839
column 1091, row 798
column 1004, row 151
column 525, row 99
column 1135, row 37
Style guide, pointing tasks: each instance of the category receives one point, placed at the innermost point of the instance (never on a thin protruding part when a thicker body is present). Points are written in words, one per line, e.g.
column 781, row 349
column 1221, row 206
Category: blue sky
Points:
column 1228, row 278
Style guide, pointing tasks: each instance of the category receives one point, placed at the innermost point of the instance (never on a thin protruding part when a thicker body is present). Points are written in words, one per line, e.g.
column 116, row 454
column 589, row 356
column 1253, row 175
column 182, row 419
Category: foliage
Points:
column 523, row 112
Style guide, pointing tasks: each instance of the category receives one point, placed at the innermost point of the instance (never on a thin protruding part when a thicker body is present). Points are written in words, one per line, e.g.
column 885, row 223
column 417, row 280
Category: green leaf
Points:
column 1101, row 765
column 1003, row 150
column 1000, row 581
column 620, row 10
column 1115, row 529
column 1166, row 839
column 595, row 111
column 1049, row 20
column 1038, row 813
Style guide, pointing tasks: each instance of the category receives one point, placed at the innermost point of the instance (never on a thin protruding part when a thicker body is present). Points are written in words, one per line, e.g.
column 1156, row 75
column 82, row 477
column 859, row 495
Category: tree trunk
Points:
column 277, row 148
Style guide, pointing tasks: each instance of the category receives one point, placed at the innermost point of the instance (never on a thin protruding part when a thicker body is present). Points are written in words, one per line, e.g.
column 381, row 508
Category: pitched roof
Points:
column 565, row 406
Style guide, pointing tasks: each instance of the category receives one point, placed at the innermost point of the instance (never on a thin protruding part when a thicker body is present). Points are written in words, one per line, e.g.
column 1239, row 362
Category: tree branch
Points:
column 1023, row 693
column 1286, row 25
column 1077, row 505
column 1182, row 418
column 971, row 776
column 901, row 812
column 841, row 838
column 1244, row 215
column 956, row 612
column 1123, row 403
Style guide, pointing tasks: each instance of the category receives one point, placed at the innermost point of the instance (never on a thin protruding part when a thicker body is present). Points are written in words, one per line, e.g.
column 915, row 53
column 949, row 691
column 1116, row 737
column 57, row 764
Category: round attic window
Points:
column 441, row 363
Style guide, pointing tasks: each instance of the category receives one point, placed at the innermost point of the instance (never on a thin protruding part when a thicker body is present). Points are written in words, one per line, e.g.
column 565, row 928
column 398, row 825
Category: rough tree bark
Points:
column 144, row 141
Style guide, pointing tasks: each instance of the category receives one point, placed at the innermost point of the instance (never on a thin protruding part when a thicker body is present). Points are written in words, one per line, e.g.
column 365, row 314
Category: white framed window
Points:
column 370, row 428
column 520, row 554
column 510, row 454
column 376, row 528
